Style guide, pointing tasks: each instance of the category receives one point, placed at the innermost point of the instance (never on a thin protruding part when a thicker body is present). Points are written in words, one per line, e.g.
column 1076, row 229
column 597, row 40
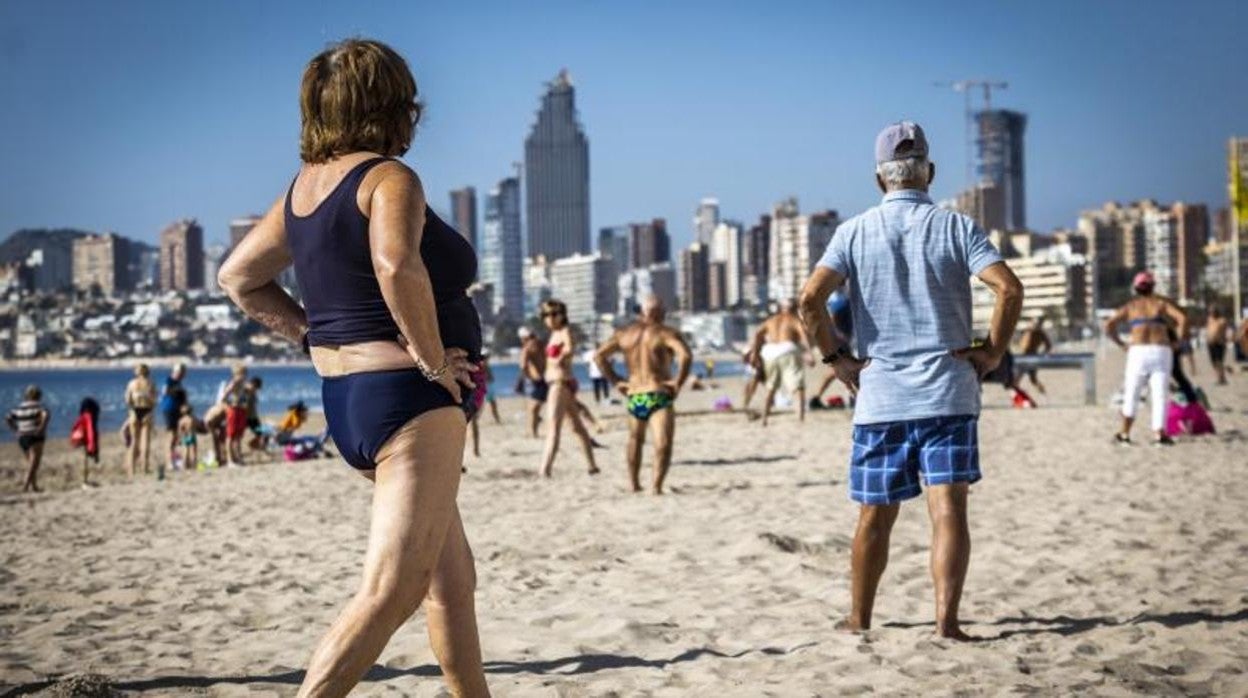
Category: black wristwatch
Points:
column 840, row 353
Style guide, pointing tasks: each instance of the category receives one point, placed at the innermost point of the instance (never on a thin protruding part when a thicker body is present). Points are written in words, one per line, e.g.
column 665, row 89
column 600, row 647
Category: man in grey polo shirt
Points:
column 913, row 365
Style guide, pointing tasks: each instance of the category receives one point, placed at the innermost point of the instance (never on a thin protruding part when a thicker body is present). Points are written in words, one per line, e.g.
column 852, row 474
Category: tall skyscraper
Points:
column 726, row 248
column 1000, row 160
column 556, row 166
column 650, row 243
column 695, row 279
column 464, row 213
column 705, row 219
column 102, row 261
column 755, row 262
column 182, row 256
column 502, row 255
column 1191, row 235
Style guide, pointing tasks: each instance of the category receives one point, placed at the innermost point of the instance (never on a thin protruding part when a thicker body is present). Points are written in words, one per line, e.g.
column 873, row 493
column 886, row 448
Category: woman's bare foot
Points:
column 849, row 625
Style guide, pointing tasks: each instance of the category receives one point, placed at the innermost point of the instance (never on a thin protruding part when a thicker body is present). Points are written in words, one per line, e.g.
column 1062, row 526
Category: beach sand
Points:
column 1096, row 569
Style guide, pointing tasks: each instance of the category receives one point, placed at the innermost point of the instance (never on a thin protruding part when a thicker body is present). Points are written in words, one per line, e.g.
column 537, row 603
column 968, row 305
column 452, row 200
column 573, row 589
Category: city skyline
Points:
column 668, row 129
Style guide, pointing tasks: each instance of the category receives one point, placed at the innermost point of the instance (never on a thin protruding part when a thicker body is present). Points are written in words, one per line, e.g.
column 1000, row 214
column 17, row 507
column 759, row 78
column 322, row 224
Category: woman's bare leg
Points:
column 578, row 427
column 33, row 457
column 417, row 478
column 555, row 410
column 451, row 616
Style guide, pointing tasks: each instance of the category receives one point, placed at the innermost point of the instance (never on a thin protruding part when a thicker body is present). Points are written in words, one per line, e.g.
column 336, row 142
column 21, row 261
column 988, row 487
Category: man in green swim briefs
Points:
column 648, row 347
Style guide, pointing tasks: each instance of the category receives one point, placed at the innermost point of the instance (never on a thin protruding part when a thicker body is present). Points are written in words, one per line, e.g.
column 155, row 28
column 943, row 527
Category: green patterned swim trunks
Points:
column 642, row 405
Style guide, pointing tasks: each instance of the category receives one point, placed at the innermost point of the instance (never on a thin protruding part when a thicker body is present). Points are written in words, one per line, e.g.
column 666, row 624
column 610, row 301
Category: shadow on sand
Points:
column 566, row 666
column 1069, row 625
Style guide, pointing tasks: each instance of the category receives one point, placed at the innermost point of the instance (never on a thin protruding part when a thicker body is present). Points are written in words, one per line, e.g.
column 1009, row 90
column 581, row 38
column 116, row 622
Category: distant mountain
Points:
column 18, row 246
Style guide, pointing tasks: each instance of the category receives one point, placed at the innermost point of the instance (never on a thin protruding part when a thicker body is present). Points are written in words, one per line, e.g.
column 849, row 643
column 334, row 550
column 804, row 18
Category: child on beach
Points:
column 85, row 434
column 30, row 420
column 187, row 440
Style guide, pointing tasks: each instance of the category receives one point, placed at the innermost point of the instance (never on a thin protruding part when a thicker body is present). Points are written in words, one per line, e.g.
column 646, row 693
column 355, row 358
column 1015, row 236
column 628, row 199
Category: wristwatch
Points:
column 840, row 353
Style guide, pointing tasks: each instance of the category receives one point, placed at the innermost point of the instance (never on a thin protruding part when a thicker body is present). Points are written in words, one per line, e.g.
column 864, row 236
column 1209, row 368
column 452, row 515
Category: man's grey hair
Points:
column 904, row 171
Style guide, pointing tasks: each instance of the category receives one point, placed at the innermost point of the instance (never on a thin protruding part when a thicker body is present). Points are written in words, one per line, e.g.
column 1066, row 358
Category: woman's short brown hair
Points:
column 357, row 95
column 554, row 307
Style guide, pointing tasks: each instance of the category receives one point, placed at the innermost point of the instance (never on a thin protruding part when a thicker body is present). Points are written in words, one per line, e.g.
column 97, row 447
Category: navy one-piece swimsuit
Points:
column 343, row 300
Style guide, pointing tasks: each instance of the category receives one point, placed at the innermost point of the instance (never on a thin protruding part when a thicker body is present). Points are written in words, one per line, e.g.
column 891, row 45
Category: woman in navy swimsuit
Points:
column 393, row 335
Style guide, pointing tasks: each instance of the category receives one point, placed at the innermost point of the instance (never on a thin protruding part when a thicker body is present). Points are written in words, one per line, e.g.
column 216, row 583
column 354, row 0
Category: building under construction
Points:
column 999, row 161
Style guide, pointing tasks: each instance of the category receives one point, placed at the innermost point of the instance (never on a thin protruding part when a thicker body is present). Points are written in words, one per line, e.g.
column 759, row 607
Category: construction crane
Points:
column 966, row 87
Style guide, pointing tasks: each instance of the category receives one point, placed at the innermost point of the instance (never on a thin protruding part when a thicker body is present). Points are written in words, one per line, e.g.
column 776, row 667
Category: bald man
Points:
column 777, row 352
column 648, row 347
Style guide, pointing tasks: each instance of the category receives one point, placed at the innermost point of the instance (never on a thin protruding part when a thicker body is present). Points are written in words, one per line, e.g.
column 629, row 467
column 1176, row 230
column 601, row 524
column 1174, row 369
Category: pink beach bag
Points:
column 1188, row 419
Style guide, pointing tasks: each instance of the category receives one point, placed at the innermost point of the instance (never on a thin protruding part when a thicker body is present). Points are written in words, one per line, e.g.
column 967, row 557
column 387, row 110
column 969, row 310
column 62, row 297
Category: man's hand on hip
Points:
column 983, row 358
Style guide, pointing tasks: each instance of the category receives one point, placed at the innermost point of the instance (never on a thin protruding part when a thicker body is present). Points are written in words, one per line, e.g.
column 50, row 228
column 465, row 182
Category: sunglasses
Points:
column 553, row 313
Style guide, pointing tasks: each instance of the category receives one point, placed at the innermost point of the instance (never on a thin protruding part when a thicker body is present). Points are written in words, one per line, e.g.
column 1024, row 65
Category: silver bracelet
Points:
column 435, row 375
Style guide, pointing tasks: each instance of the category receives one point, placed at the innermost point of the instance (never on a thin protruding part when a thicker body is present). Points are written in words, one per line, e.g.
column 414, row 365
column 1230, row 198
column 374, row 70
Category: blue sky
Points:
column 126, row 115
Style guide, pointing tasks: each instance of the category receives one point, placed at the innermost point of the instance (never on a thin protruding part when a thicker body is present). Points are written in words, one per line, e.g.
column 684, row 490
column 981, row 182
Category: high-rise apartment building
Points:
column 464, row 213
column 635, row 285
column 239, row 227
column 102, row 261
column 705, row 220
column 615, row 242
column 213, row 256
column 587, row 285
column 182, row 256
column 537, row 283
column 726, row 249
column 650, row 243
column 797, row 242
column 1191, row 235
column 502, row 254
column 1000, row 160
column 556, row 166
column 717, row 286
column 755, row 262
column 694, row 278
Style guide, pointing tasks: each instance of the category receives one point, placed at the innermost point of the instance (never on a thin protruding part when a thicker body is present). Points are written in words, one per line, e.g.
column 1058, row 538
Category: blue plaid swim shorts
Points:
column 890, row 457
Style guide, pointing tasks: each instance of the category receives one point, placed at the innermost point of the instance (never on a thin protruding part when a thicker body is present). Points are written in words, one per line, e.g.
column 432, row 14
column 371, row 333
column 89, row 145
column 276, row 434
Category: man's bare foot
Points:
column 637, row 489
column 546, row 472
column 952, row 633
column 849, row 625
column 593, row 470
column 656, row 492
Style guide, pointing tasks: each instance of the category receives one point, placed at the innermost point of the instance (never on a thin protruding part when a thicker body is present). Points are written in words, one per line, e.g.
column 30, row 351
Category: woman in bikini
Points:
column 1150, row 356
column 389, row 327
column 140, row 400
column 561, row 403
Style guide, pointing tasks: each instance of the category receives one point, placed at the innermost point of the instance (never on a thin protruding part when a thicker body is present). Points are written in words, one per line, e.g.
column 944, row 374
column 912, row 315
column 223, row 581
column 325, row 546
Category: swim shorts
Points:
column 642, row 405
column 890, row 458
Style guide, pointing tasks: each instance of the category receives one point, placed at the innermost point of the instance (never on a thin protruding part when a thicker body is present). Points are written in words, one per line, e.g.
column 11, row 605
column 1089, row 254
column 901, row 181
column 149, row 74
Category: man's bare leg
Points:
column 1035, row 380
column 801, row 404
column 636, row 440
column 535, row 416
column 663, row 431
column 768, row 401
column 868, row 560
column 751, row 384
column 951, row 554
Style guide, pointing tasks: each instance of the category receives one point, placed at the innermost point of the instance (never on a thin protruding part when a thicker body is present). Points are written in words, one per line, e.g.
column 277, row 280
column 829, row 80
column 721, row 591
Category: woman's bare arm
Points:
column 248, row 276
column 396, row 226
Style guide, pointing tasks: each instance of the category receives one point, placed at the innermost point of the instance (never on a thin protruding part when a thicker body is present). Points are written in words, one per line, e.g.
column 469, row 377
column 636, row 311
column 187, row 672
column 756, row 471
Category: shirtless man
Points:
column 533, row 369
column 1035, row 341
column 1217, row 328
column 648, row 347
column 778, row 345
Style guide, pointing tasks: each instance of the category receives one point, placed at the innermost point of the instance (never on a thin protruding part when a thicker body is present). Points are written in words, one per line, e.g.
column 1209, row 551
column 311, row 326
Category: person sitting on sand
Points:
column 777, row 351
column 30, row 420
column 85, row 434
column 1150, row 355
column 1217, row 330
column 563, row 404
column 140, row 399
column 188, row 443
column 533, row 370
column 649, row 347
column 908, row 264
